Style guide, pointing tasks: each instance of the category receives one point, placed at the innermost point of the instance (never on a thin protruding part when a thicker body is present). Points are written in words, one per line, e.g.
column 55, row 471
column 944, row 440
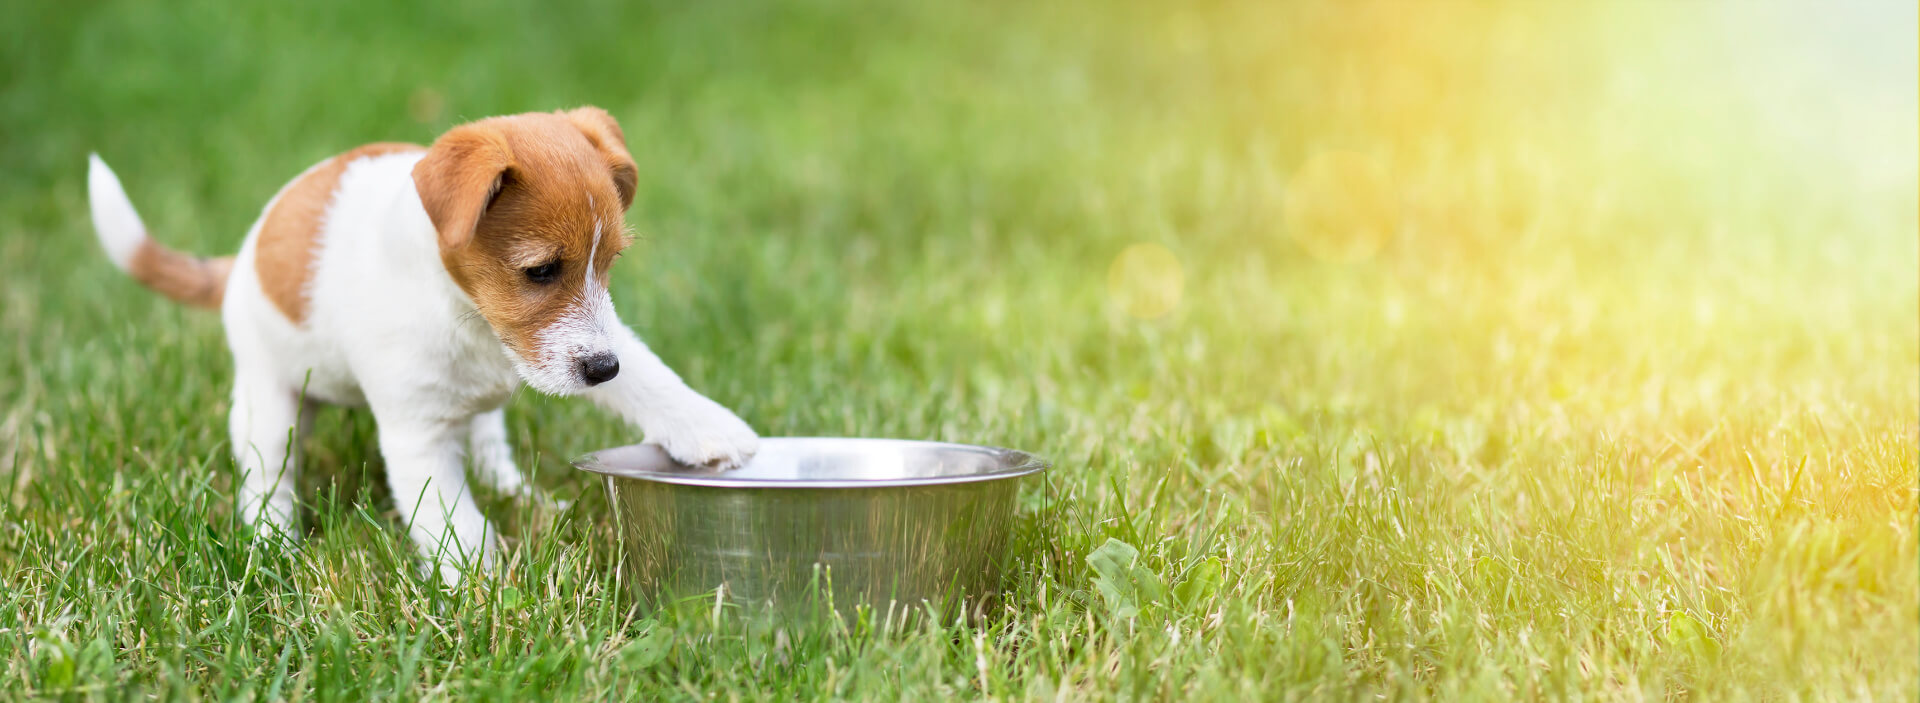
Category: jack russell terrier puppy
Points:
column 425, row 284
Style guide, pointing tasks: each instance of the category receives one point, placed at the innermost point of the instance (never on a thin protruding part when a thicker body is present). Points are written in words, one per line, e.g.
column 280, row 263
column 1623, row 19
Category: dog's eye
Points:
column 544, row 273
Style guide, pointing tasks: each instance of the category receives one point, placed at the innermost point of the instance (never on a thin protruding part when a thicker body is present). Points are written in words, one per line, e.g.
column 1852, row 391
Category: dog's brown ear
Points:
column 605, row 135
column 459, row 177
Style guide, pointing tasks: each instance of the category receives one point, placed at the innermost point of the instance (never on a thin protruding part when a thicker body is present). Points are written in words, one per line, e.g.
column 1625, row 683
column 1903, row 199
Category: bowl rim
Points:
column 1019, row 464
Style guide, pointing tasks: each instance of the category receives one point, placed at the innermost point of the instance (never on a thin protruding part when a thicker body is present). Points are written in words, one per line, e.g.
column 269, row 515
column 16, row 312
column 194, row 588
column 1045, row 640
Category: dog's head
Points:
column 529, row 209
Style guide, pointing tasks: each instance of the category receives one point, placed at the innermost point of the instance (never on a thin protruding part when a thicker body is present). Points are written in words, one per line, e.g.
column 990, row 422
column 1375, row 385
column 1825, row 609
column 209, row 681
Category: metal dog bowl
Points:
column 892, row 524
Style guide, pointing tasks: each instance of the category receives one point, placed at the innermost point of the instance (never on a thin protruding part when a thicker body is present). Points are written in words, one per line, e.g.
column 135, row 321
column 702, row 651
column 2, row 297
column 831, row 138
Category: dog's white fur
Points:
column 387, row 328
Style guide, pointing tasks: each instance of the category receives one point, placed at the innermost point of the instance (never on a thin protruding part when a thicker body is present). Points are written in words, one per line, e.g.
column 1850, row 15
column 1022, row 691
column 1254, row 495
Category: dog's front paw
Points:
column 702, row 433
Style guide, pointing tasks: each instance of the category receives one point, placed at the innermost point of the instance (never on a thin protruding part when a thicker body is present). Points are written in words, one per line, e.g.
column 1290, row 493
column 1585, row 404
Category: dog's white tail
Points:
column 188, row 279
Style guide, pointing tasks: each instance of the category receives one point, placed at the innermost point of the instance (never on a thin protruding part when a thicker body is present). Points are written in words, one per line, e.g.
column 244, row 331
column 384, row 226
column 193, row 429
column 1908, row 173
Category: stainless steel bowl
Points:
column 892, row 524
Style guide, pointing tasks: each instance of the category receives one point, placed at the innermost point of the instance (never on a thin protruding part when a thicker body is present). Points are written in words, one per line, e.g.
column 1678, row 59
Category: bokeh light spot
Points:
column 1146, row 280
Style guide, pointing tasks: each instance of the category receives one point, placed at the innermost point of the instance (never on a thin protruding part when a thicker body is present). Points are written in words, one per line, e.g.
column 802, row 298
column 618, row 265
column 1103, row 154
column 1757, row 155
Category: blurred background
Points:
column 1583, row 195
column 1625, row 292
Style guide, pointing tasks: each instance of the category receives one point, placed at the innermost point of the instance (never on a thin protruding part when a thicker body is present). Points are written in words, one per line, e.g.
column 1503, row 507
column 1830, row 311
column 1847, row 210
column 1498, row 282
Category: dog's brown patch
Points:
column 290, row 234
column 510, row 193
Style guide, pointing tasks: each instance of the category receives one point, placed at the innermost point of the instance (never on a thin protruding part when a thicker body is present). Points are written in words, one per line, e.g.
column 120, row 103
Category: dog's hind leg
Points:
column 263, row 426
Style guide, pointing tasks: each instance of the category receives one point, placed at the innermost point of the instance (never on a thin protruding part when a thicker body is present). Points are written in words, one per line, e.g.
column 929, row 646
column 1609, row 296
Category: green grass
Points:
column 1524, row 350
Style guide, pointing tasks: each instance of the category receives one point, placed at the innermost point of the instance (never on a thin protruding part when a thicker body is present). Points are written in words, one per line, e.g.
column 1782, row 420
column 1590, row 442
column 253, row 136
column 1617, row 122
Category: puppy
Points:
column 426, row 284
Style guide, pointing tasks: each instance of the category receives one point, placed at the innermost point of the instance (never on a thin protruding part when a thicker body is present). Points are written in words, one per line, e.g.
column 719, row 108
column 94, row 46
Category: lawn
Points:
column 1422, row 349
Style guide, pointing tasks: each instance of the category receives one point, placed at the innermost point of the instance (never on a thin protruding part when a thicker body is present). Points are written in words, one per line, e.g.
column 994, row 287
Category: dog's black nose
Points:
column 599, row 368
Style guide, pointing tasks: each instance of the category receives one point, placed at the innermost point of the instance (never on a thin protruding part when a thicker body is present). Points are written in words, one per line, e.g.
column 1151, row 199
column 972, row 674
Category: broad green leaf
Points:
column 58, row 668
column 1126, row 587
column 1201, row 583
column 1688, row 635
column 1113, row 565
column 648, row 649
